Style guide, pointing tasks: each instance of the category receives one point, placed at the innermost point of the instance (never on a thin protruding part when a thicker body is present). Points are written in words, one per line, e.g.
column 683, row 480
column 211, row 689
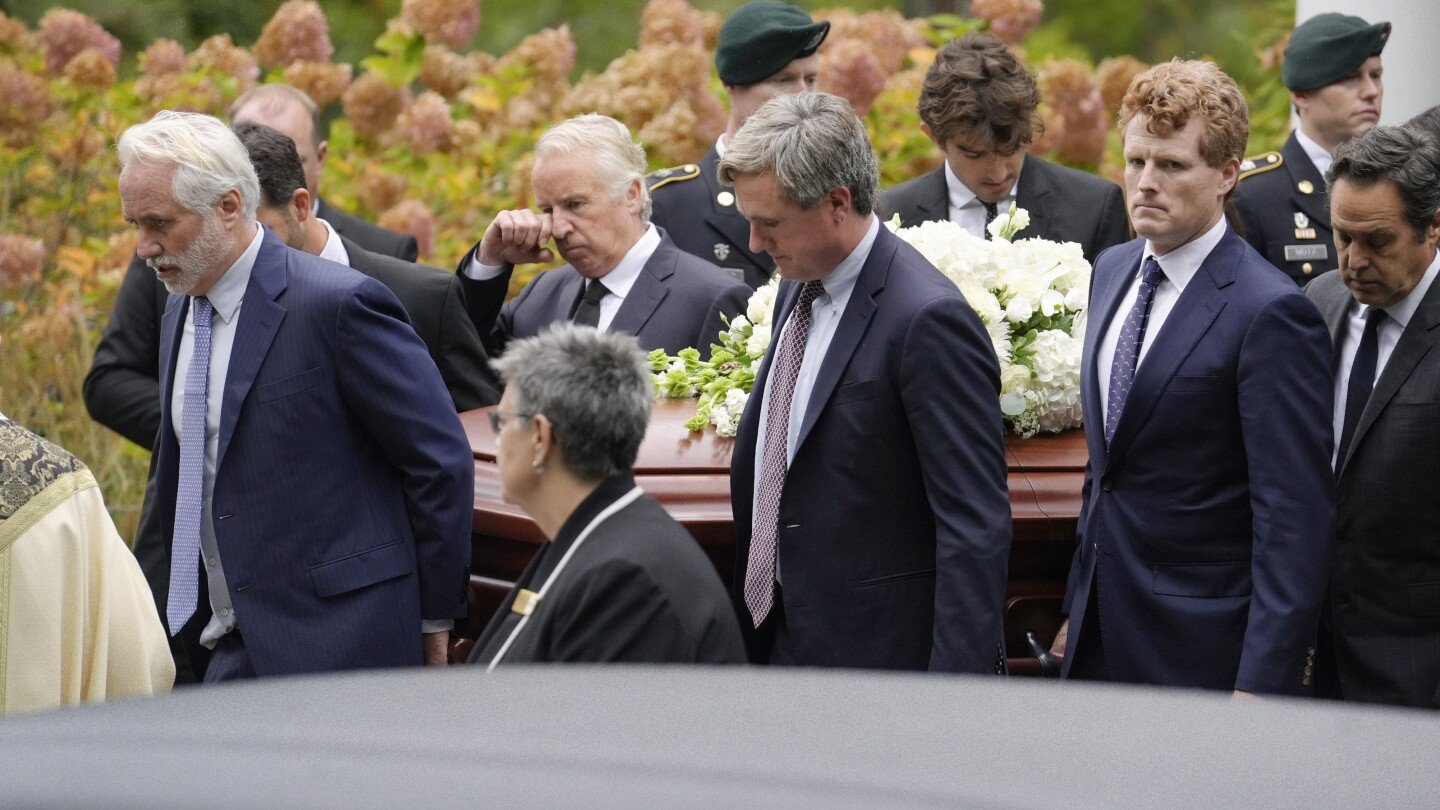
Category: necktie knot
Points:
column 587, row 312
column 203, row 310
column 1151, row 273
column 1374, row 317
column 594, row 290
column 992, row 210
column 811, row 291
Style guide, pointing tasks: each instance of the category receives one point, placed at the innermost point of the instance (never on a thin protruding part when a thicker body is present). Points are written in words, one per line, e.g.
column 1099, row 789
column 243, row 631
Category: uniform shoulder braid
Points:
column 678, row 174
column 1269, row 161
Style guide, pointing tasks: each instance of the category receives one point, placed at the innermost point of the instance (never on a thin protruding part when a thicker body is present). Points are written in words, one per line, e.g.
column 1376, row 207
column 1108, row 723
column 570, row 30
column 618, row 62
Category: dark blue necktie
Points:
column 1127, row 351
column 1362, row 380
column 190, row 495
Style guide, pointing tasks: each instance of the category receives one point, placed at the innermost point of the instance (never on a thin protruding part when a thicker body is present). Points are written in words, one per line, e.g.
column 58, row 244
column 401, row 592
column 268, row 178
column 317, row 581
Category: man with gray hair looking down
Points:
column 868, row 479
column 312, row 481
column 624, row 274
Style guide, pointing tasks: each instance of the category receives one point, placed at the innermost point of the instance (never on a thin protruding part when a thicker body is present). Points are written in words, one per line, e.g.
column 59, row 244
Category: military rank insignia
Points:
column 1302, row 227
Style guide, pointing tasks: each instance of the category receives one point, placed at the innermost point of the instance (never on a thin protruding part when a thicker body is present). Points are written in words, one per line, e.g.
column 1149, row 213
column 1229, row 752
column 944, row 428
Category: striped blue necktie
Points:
column 185, row 547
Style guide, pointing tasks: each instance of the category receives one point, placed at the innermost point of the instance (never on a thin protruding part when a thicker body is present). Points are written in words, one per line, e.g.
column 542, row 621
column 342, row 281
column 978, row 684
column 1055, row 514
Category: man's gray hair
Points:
column 813, row 142
column 1406, row 156
column 619, row 161
column 209, row 159
column 594, row 387
column 273, row 98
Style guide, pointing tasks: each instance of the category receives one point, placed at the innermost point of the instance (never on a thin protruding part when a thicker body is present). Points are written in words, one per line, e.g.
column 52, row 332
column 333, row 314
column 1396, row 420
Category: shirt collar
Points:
column 229, row 289
column 1314, row 151
column 841, row 281
column 1181, row 264
column 620, row 279
column 961, row 195
column 720, row 145
column 1404, row 309
column 334, row 249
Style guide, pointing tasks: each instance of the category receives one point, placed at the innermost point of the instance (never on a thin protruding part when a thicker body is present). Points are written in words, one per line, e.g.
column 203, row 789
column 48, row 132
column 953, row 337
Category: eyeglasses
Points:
column 499, row 417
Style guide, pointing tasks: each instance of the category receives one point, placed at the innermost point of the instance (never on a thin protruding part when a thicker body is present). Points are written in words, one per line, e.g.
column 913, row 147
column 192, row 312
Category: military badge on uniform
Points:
column 1306, row 187
column 1302, row 227
column 722, row 251
column 725, row 198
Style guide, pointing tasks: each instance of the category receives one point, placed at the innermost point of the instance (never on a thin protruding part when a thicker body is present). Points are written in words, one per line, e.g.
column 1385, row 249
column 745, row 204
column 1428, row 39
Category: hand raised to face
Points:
column 517, row 237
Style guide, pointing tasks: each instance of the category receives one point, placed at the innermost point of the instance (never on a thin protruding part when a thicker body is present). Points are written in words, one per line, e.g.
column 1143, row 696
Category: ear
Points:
column 300, row 201
column 321, row 150
column 925, row 128
column 544, row 438
column 230, row 207
column 633, row 193
column 1229, row 174
column 838, row 198
column 1300, row 99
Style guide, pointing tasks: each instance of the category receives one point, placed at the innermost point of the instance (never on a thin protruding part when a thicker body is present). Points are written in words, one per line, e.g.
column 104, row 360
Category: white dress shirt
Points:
column 618, row 281
column 225, row 296
column 334, row 249
column 966, row 210
column 825, row 314
column 1387, row 335
column 1177, row 268
column 1317, row 153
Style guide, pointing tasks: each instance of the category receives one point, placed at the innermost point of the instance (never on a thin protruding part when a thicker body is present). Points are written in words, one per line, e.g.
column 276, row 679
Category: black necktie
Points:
column 588, row 313
column 991, row 210
column 1362, row 380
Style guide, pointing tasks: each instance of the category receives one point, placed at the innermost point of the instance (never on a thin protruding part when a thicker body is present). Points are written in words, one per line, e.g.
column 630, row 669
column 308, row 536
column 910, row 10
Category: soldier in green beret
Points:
column 1332, row 69
column 765, row 49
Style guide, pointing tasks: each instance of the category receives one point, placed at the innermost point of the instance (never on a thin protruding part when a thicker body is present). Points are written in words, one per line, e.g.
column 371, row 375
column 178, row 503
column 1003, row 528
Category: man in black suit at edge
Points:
column 120, row 390
column 765, row 49
column 979, row 104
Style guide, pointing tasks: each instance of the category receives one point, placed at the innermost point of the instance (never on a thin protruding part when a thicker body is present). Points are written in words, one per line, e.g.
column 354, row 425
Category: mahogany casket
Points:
column 689, row 473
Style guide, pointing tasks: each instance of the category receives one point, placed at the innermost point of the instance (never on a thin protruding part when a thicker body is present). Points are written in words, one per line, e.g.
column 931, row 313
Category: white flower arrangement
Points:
column 1031, row 294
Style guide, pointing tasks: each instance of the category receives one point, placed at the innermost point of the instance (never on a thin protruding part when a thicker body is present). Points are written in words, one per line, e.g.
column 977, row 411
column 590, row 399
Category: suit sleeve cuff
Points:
column 472, row 269
column 436, row 625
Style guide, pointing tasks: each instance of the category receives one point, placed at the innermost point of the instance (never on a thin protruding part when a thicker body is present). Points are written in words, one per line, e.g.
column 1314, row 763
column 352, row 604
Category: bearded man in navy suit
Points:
column 868, row 479
column 312, row 480
column 1206, row 525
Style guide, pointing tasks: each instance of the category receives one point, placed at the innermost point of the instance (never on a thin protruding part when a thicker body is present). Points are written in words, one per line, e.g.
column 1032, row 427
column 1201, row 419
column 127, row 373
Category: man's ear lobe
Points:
column 300, row 201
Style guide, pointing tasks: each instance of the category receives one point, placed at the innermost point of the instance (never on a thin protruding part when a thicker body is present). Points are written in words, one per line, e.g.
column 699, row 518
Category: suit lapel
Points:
column 1187, row 323
column 934, row 199
column 1334, row 307
column 853, row 322
column 1415, row 342
column 1301, row 169
column 648, row 290
column 260, row 317
column 172, row 328
column 1030, row 194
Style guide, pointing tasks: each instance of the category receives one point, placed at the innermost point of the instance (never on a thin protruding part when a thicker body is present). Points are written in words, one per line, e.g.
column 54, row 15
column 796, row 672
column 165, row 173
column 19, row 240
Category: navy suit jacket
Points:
column 1206, row 525
column 894, row 534
column 675, row 303
column 344, row 480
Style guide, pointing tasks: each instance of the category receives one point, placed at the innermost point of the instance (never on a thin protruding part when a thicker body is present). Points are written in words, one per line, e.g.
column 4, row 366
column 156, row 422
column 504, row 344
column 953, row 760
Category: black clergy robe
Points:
column 638, row 589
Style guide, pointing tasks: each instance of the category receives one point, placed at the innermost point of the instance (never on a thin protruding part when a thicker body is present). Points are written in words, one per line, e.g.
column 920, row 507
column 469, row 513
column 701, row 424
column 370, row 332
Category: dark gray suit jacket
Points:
column 1385, row 590
column 436, row 306
column 1065, row 205
column 676, row 302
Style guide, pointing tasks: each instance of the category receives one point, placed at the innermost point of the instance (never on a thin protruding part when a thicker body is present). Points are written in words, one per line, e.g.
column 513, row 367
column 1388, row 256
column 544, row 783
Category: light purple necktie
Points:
column 190, row 495
column 1127, row 350
column 760, row 565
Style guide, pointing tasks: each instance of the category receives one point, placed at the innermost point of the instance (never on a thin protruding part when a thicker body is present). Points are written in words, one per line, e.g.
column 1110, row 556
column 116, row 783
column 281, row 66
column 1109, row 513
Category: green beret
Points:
column 762, row 37
column 1328, row 47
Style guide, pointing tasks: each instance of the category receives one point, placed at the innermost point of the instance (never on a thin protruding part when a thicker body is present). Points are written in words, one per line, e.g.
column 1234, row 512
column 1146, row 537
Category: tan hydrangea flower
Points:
column 412, row 217
column 1010, row 20
column 21, row 260
column 72, row 151
column 222, row 56
column 324, row 82
column 671, row 22
column 887, row 34
column 1076, row 122
column 14, row 35
column 24, row 104
column 380, row 190
column 549, row 54
column 65, row 33
column 182, row 92
column 452, row 22
column 372, row 104
column 297, row 33
column 852, row 71
column 426, row 124
column 445, row 71
column 90, row 68
column 162, row 58
column 1114, row 76
column 119, row 249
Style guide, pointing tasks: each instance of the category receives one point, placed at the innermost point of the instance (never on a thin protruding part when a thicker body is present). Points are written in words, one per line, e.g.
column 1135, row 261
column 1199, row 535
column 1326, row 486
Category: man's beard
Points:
column 196, row 261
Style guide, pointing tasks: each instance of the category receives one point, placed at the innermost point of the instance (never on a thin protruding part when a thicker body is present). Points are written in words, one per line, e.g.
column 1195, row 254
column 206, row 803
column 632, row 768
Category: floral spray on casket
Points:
column 1031, row 294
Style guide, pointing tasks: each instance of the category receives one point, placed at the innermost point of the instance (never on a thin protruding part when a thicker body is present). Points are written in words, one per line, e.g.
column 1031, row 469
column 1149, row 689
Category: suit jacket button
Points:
column 1106, row 485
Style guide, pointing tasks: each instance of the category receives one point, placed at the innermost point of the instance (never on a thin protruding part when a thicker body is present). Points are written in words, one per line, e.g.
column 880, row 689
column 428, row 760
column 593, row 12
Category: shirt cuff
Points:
column 475, row 271
column 436, row 625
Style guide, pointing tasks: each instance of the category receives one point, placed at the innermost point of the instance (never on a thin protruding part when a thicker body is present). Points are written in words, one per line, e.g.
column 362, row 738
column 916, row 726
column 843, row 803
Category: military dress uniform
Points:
column 1284, row 212
column 699, row 214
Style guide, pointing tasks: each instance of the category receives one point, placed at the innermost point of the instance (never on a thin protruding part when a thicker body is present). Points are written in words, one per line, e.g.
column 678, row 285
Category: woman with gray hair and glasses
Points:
column 618, row 579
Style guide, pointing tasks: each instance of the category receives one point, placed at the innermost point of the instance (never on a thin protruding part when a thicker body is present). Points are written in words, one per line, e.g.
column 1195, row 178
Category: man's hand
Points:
column 1240, row 694
column 1057, row 647
column 437, row 648
column 516, row 237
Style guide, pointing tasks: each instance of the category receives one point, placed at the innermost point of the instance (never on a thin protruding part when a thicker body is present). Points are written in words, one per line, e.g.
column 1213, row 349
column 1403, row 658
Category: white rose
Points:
column 758, row 341
column 762, row 303
column 1019, row 310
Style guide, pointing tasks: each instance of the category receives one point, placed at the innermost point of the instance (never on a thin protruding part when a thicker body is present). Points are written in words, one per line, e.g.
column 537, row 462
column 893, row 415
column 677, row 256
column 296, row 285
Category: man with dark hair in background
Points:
column 979, row 104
